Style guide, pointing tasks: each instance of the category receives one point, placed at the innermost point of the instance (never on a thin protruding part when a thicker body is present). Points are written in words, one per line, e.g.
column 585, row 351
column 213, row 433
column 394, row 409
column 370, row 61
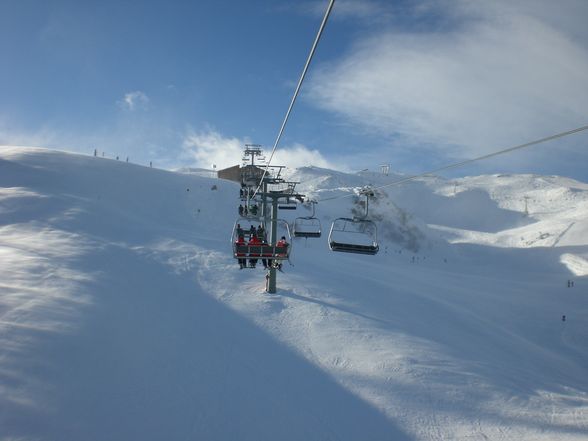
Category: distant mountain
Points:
column 500, row 210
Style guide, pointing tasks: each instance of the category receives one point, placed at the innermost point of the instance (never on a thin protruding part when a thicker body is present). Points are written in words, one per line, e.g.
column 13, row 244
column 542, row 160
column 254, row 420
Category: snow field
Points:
column 123, row 315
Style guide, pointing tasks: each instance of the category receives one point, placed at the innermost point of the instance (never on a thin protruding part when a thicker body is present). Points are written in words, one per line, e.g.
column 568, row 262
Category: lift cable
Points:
column 309, row 59
column 469, row 161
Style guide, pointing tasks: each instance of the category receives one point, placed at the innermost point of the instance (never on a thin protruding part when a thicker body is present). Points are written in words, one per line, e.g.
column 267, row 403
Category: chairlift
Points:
column 307, row 226
column 289, row 205
column 246, row 193
column 262, row 250
column 242, row 227
column 357, row 235
column 353, row 236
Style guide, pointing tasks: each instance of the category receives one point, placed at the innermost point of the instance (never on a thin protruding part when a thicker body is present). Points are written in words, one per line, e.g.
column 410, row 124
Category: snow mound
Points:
column 578, row 265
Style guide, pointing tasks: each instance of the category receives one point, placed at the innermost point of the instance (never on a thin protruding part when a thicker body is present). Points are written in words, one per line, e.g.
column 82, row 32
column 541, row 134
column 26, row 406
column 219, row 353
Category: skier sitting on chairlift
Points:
column 282, row 243
column 264, row 256
column 240, row 232
column 241, row 256
column 254, row 241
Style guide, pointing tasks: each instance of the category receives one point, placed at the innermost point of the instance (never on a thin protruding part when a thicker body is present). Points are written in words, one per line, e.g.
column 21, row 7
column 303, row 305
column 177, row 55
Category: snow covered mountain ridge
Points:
column 124, row 316
column 515, row 211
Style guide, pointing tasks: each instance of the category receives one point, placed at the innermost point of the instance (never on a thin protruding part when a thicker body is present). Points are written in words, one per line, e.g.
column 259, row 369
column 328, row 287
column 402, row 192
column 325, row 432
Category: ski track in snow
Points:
column 121, row 304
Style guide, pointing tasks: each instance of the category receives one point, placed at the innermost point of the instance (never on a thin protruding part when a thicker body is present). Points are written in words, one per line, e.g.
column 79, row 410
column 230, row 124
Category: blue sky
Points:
column 415, row 84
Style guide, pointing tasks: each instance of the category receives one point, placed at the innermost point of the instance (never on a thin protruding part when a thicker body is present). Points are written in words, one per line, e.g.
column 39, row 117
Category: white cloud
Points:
column 210, row 147
column 499, row 77
column 134, row 101
column 366, row 10
column 207, row 148
column 299, row 155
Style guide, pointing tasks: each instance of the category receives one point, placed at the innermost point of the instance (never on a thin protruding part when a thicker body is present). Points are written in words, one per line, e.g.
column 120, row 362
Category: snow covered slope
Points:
column 514, row 211
column 123, row 316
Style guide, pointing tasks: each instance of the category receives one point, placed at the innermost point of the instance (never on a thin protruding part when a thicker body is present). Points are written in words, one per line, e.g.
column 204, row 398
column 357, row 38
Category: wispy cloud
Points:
column 504, row 75
column 210, row 147
column 44, row 136
column 365, row 10
column 136, row 100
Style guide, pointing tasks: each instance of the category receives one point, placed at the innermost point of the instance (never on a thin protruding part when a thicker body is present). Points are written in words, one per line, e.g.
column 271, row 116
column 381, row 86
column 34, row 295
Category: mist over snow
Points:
column 210, row 147
column 123, row 315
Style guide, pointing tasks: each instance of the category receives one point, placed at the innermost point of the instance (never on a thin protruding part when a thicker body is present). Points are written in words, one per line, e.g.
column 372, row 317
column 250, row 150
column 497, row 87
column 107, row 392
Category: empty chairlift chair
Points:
column 353, row 236
column 357, row 235
column 308, row 226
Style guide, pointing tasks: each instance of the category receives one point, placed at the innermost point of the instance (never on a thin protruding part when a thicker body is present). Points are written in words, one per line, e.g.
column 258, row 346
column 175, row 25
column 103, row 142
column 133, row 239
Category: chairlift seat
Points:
column 357, row 236
column 307, row 227
column 313, row 234
column 261, row 251
column 354, row 248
